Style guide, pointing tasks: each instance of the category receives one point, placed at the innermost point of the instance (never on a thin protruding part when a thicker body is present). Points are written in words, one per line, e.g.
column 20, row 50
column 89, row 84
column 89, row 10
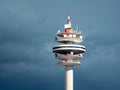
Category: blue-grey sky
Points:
column 27, row 31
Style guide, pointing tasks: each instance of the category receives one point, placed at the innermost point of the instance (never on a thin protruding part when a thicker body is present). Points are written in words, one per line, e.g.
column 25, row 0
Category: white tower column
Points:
column 68, row 78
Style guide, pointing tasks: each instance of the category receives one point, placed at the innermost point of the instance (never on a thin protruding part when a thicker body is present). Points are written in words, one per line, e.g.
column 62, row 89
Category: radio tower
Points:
column 69, row 53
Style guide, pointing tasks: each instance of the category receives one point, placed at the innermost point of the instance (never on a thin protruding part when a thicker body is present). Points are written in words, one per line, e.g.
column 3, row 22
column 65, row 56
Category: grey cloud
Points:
column 27, row 36
column 21, row 37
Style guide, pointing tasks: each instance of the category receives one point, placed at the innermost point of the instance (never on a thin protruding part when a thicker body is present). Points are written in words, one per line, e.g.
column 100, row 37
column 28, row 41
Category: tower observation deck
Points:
column 70, row 52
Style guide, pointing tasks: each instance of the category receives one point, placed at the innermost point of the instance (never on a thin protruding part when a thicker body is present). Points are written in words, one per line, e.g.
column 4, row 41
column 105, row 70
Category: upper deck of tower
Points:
column 68, row 35
column 68, row 28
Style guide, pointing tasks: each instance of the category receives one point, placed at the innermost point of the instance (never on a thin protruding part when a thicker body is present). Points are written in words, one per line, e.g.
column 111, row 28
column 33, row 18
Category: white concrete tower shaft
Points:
column 68, row 78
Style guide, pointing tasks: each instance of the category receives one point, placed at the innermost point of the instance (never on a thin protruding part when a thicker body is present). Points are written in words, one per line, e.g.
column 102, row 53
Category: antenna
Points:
column 76, row 27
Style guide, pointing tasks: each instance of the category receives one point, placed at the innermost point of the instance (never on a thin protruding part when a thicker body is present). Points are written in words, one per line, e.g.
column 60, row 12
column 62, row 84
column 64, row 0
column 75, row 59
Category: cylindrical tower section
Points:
column 68, row 78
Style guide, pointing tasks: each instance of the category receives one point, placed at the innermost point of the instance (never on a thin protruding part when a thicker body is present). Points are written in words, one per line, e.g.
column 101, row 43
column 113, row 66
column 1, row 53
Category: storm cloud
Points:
column 27, row 31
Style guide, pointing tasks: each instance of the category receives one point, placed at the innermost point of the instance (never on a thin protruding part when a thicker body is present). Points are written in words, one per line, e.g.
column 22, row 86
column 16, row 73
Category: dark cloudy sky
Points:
column 27, row 31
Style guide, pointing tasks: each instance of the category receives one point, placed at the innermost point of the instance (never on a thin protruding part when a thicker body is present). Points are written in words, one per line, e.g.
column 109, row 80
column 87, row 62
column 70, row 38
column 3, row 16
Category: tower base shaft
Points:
column 68, row 78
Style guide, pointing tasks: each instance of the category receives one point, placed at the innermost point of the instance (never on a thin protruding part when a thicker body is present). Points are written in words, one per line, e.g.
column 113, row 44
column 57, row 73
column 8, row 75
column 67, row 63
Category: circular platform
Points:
column 73, row 40
column 69, row 57
column 68, row 48
column 68, row 63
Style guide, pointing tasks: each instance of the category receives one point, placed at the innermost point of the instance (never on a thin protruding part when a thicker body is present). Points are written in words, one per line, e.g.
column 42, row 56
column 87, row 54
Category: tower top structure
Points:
column 68, row 24
column 69, row 20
